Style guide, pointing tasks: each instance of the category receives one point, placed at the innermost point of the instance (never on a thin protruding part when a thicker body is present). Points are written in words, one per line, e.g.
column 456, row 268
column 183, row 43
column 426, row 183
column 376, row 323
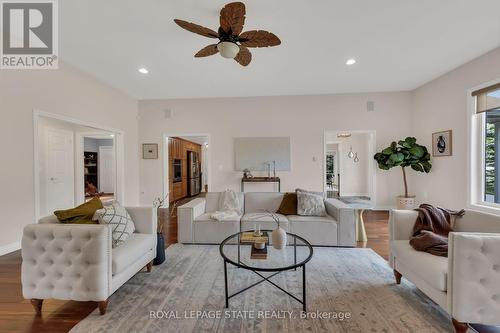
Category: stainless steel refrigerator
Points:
column 194, row 173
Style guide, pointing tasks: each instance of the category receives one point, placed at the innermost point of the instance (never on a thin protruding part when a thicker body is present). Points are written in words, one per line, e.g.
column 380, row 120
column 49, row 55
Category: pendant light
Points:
column 351, row 153
column 356, row 158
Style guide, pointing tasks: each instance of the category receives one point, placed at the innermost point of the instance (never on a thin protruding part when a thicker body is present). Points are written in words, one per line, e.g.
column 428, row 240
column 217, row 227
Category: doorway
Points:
column 332, row 170
column 186, row 168
column 349, row 170
column 99, row 160
column 62, row 168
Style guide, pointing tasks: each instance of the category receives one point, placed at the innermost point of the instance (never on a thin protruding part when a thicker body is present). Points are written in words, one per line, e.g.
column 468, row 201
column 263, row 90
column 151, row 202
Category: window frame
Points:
column 476, row 134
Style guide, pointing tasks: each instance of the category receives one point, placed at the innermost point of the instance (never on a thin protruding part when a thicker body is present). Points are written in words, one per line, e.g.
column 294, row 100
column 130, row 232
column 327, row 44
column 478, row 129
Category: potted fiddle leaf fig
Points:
column 405, row 153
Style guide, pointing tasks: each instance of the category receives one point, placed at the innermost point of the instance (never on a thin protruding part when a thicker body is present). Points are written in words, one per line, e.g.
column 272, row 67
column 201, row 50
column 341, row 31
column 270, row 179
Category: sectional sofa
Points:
column 338, row 228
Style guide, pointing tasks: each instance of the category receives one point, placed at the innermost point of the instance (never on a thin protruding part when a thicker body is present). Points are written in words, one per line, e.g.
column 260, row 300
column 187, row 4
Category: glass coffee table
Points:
column 295, row 255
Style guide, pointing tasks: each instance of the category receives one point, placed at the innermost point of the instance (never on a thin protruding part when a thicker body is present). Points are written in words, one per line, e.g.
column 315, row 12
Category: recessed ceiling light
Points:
column 350, row 62
column 143, row 70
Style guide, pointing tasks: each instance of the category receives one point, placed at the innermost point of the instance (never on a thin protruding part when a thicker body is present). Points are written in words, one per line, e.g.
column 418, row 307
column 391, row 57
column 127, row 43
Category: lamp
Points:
column 228, row 49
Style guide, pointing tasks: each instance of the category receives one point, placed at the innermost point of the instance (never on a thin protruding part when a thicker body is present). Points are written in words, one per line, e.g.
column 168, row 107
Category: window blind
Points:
column 488, row 98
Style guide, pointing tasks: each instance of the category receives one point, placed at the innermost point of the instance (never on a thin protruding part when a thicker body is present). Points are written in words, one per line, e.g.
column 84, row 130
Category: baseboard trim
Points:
column 10, row 248
column 356, row 195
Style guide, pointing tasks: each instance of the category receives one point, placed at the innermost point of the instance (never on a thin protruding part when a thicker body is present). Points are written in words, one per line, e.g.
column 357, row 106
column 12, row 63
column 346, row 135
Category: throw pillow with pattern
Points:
column 310, row 204
column 120, row 221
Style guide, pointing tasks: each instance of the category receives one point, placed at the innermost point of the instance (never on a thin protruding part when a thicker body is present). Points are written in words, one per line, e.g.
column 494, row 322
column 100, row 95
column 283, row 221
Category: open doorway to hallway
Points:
column 74, row 161
column 99, row 166
column 349, row 170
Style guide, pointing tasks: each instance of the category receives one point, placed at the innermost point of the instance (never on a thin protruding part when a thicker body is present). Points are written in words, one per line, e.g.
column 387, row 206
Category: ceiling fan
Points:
column 232, row 42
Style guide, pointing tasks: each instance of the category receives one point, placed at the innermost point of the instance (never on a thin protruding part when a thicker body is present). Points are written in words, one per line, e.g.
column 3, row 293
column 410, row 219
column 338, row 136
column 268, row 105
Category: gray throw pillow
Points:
column 121, row 223
column 310, row 204
column 321, row 194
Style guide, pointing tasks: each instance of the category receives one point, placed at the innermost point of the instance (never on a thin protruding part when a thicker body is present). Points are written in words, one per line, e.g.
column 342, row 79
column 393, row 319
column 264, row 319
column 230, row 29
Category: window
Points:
column 485, row 147
column 492, row 156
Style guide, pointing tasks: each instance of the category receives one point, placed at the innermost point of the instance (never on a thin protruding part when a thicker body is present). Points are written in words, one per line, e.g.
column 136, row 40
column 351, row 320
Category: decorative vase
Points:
column 406, row 203
column 160, row 249
column 279, row 238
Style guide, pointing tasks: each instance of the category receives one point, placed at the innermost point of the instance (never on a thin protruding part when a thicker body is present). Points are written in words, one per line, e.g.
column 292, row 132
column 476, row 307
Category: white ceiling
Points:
column 399, row 45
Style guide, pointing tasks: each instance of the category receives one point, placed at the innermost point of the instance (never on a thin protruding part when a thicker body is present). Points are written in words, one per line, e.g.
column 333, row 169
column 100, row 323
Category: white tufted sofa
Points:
column 76, row 261
column 467, row 283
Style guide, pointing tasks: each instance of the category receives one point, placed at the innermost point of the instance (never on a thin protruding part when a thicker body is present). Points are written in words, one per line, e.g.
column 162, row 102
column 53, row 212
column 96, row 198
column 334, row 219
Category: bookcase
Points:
column 91, row 168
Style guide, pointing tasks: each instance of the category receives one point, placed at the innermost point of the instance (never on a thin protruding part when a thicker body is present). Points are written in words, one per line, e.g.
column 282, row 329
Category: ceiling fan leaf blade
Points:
column 244, row 57
column 197, row 29
column 232, row 18
column 259, row 38
column 207, row 51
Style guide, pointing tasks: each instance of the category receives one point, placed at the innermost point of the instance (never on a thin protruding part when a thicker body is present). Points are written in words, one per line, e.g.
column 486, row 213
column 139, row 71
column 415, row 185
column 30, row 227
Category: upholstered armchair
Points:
column 76, row 261
column 467, row 283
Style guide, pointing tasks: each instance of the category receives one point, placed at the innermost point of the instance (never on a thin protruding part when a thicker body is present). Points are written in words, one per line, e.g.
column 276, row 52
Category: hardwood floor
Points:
column 17, row 314
column 377, row 230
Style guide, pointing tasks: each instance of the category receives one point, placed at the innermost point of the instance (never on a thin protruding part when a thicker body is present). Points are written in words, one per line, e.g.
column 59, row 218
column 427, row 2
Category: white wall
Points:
column 67, row 92
column 354, row 176
column 303, row 118
column 441, row 105
column 92, row 145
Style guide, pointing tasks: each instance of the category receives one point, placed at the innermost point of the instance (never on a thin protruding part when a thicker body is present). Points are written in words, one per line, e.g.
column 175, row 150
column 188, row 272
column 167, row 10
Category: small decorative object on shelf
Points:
column 247, row 174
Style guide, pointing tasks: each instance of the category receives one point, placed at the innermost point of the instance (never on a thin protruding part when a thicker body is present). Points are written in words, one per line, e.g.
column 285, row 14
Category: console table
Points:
column 260, row 180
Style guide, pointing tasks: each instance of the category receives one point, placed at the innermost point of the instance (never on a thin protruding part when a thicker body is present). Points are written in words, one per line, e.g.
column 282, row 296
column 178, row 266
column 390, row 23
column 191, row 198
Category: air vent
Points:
column 370, row 106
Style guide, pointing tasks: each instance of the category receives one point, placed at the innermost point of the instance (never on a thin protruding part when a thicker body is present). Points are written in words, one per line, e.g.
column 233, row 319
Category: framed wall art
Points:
column 150, row 151
column 442, row 143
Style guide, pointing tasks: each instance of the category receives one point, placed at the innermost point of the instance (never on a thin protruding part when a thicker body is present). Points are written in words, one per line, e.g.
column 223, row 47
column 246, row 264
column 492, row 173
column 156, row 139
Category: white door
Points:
column 59, row 176
column 106, row 169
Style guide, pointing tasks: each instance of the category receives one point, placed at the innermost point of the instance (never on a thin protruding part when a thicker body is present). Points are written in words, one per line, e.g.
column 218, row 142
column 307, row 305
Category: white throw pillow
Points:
column 310, row 204
column 121, row 223
column 229, row 201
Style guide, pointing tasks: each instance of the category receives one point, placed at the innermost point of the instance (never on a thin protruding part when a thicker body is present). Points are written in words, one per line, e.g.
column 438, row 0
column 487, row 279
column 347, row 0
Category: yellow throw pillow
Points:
column 288, row 204
column 80, row 215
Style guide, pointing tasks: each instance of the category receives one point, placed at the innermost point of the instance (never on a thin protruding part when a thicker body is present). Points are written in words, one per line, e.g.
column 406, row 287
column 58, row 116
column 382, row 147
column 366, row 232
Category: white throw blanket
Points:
column 229, row 206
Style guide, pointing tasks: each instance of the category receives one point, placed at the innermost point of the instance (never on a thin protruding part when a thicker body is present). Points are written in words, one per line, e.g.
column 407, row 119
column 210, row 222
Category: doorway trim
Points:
column 119, row 150
column 372, row 167
column 165, row 170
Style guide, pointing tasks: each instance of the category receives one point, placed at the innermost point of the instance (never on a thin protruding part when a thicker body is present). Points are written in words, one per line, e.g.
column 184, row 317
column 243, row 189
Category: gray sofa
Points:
column 338, row 228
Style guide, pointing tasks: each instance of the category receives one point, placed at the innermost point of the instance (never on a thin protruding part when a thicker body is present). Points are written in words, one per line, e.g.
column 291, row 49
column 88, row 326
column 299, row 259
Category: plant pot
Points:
column 406, row 203
column 279, row 238
column 160, row 250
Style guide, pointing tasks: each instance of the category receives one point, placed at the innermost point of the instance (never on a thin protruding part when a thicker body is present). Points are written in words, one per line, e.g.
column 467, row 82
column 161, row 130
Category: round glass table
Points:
column 237, row 251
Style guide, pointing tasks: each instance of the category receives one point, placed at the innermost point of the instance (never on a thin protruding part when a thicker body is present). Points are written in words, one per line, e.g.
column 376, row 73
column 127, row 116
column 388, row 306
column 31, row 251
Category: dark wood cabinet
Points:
column 178, row 150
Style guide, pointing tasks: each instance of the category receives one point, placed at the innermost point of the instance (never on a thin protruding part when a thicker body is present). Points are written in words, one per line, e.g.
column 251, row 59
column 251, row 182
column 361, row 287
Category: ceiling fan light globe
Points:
column 228, row 49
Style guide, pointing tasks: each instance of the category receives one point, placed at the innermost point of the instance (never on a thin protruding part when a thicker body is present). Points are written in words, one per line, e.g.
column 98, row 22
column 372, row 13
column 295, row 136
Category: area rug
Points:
column 348, row 290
